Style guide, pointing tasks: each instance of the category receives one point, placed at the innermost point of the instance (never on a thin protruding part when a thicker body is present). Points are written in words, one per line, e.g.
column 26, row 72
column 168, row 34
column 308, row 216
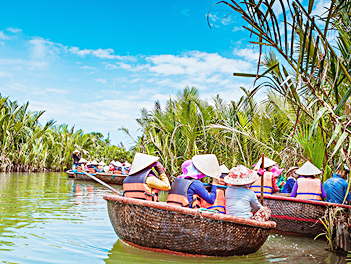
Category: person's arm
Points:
column 160, row 184
column 294, row 190
column 201, row 191
column 255, row 204
column 274, row 185
column 323, row 191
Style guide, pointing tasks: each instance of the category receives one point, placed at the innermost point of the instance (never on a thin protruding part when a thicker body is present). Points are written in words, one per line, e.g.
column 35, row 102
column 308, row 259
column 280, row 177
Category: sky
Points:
column 95, row 64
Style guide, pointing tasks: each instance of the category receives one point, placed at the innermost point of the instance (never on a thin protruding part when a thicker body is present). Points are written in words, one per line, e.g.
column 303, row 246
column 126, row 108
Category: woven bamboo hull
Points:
column 111, row 178
column 80, row 176
column 70, row 174
column 162, row 226
column 297, row 215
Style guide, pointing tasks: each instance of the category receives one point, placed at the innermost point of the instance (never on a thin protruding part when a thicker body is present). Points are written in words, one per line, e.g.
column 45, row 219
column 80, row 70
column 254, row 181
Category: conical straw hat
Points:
column 94, row 162
column 127, row 164
column 117, row 164
column 76, row 151
column 207, row 164
column 141, row 161
column 267, row 163
column 88, row 163
column 308, row 169
column 224, row 169
column 82, row 160
column 101, row 163
column 241, row 175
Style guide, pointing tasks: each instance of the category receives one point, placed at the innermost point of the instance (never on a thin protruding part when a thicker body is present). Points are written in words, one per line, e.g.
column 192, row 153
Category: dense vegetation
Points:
column 306, row 73
column 26, row 145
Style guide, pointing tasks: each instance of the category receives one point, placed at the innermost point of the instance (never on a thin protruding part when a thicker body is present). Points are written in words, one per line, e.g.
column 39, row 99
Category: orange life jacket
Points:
column 117, row 172
column 135, row 186
column 309, row 188
column 91, row 169
column 219, row 203
column 267, row 184
column 79, row 169
column 178, row 194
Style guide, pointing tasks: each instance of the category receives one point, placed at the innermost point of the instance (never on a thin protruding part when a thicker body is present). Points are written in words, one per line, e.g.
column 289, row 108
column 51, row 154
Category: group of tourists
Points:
column 115, row 167
column 233, row 191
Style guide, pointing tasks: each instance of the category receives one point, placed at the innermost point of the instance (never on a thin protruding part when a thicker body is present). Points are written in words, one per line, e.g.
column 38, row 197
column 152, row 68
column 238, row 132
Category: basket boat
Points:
column 297, row 215
column 158, row 226
column 70, row 174
column 111, row 178
column 105, row 177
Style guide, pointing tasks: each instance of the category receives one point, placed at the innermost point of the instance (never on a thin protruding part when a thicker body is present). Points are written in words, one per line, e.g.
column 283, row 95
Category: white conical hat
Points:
column 224, row 169
column 88, row 163
column 308, row 169
column 76, row 151
column 94, row 162
column 207, row 164
column 101, row 163
column 127, row 164
column 82, row 160
column 267, row 163
column 117, row 164
column 141, row 161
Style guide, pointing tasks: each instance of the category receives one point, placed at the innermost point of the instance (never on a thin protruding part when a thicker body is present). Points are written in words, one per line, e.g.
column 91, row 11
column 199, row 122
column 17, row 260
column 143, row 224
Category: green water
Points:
column 48, row 218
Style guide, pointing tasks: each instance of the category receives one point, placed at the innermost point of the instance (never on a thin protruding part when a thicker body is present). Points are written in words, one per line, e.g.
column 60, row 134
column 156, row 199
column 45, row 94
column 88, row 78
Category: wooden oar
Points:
column 103, row 183
column 262, row 179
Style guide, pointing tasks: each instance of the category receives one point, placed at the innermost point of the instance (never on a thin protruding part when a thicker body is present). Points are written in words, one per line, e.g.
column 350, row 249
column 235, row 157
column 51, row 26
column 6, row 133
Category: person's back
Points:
column 336, row 187
column 239, row 200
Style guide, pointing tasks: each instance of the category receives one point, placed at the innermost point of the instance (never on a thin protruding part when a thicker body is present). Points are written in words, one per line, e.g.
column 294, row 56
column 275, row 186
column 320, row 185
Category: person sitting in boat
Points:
column 269, row 185
column 93, row 166
column 126, row 168
column 224, row 171
column 307, row 185
column 87, row 165
column 291, row 177
column 118, row 167
column 187, row 190
column 111, row 167
column 336, row 187
column 82, row 165
column 101, row 166
column 279, row 179
column 76, row 157
column 239, row 199
column 142, row 181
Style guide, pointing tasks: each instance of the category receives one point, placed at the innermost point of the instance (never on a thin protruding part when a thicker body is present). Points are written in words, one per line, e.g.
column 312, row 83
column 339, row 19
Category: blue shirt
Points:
column 288, row 185
column 336, row 188
column 198, row 188
column 240, row 201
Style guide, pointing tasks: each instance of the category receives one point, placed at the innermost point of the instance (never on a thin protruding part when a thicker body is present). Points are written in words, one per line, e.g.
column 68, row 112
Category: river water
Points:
column 48, row 218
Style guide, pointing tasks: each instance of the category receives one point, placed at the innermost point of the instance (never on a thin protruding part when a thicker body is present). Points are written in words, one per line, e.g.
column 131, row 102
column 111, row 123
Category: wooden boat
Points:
column 160, row 227
column 297, row 215
column 105, row 177
column 70, row 174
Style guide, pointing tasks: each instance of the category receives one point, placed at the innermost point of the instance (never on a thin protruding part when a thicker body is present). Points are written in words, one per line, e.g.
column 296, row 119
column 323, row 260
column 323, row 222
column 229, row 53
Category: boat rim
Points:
column 183, row 210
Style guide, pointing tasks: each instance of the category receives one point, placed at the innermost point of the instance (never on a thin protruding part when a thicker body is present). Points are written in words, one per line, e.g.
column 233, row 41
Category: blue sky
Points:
column 95, row 64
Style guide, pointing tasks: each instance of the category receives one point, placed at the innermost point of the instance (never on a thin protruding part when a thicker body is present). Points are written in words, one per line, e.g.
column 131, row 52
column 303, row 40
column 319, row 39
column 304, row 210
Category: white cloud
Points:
column 111, row 66
column 235, row 29
column 100, row 80
column 99, row 53
column 4, row 36
column 248, row 54
column 185, row 12
column 57, row 91
column 85, row 67
column 14, row 30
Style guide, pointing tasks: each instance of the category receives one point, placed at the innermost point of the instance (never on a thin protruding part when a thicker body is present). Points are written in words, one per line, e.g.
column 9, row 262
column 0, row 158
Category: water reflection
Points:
column 47, row 218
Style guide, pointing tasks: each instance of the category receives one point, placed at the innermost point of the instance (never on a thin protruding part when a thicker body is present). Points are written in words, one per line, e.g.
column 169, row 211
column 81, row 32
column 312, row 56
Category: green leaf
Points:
column 335, row 133
column 339, row 143
column 320, row 113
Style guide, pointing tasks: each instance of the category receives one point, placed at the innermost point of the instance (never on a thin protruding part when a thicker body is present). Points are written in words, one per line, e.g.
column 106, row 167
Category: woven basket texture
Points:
column 192, row 234
column 297, row 217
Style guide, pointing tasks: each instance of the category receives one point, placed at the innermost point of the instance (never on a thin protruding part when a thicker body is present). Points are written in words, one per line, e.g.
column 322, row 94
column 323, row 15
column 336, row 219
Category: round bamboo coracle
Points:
column 162, row 226
column 297, row 215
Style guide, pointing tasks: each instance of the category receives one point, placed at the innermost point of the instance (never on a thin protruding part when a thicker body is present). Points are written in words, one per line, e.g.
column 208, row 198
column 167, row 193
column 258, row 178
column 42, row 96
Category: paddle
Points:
column 103, row 183
column 262, row 179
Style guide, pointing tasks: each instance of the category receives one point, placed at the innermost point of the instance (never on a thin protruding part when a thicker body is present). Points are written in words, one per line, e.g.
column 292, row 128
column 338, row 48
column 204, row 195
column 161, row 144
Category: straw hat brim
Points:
column 94, row 162
column 241, row 175
column 267, row 163
column 207, row 164
column 224, row 169
column 82, row 160
column 142, row 161
column 117, row 164
column 308, row 169
column 76, row 151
